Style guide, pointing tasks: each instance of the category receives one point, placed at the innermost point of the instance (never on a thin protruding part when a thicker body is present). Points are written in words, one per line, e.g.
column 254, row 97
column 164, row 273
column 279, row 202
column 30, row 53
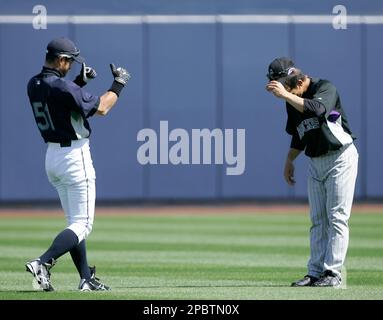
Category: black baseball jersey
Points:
column 323, row 125
column 60, row 107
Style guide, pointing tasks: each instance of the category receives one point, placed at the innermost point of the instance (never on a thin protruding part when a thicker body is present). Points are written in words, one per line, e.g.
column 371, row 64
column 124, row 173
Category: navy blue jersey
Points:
column 60, row 107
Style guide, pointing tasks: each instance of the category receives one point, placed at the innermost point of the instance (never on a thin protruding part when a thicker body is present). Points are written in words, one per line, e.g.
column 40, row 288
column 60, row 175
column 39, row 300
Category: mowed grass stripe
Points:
column 189, row 257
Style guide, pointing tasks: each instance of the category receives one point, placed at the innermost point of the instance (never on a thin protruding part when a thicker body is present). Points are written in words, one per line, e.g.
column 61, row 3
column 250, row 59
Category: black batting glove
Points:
column 120, row 74
column 86, row 74
column 121, row 78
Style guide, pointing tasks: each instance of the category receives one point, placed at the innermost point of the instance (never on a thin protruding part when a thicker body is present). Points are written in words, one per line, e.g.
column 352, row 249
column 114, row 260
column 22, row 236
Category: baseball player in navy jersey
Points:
column 61, row 108
column 318, row 126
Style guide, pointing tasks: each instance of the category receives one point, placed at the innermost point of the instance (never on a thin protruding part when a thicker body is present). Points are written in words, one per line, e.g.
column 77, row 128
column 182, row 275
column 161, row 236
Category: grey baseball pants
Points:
column 331, row 184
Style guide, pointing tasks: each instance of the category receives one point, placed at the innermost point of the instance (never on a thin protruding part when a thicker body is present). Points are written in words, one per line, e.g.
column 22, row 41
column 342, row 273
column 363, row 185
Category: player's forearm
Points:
column 295, row 101
column 293, row 154
column 107, row 101
column 109, row 98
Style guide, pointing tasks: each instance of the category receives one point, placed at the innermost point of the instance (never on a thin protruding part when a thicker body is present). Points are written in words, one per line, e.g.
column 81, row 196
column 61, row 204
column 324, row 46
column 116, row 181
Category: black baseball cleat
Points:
column 93, row 284
column 306, row 281
column 41, row 273
column 328, row 279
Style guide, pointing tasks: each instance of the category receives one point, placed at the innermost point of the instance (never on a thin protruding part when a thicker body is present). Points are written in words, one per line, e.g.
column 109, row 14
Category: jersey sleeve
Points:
column 296, row 142
column 323, row 100
column 291, row 129
column 290, row 126
column 82, row 100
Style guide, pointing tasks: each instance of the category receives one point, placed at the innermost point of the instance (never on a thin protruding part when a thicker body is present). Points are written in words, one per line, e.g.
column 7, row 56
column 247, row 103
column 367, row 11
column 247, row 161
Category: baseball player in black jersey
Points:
column 61, row 108
column 318, row 126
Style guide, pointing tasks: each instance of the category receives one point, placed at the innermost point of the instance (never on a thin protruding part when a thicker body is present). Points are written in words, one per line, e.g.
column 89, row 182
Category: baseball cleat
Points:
column 93, row 284
column 306, row 281
column 41, row 273
column 329, row 279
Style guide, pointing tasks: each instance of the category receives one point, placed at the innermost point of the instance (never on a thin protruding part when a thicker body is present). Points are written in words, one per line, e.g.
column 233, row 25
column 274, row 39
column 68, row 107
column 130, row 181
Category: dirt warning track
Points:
column 227, row 209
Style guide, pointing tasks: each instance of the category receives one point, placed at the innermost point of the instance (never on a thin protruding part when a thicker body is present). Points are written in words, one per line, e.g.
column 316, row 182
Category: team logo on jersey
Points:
column 307, row 125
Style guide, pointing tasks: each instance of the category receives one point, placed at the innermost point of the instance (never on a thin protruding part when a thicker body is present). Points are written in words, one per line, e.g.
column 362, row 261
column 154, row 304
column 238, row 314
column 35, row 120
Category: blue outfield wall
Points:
column 193, row 75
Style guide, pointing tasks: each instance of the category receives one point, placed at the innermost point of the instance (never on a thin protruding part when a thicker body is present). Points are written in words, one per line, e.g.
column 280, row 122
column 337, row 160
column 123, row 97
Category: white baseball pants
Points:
column 70, row 170
column 331, row 184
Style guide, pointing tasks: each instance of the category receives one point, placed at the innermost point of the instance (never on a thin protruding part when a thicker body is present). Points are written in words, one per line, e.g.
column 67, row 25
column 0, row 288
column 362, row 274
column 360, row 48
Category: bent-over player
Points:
column 318, row 125
column 61, row 108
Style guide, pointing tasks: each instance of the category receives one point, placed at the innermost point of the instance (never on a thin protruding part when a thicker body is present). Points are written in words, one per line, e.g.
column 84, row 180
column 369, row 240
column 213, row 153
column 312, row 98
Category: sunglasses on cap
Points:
column 67, row 57
column 277, row 75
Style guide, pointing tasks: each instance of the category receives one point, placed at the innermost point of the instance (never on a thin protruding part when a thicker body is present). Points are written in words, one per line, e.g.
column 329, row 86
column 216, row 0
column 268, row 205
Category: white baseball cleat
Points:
column 41, row 273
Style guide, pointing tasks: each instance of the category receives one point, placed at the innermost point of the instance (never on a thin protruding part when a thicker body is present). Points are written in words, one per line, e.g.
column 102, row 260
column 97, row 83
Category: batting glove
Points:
column 121, row 78
column 120, row 74
column 86, row 74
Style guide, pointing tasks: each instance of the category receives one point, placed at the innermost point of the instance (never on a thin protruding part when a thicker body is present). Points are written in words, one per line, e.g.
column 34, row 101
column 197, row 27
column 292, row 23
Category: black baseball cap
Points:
column 64, row 47
column 279, row 69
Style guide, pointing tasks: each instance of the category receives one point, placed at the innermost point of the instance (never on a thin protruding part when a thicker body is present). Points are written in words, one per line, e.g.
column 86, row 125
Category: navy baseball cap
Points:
column 64, row 47
column 279, row 69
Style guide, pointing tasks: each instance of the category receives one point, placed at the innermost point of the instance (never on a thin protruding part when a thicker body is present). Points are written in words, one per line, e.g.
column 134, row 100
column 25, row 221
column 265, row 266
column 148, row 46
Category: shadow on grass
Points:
column 160, row 287
column 208, row 286
column 21, row 291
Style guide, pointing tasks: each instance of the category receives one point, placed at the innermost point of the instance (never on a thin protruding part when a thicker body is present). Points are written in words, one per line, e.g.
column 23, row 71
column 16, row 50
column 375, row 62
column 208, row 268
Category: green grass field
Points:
column 149, row 256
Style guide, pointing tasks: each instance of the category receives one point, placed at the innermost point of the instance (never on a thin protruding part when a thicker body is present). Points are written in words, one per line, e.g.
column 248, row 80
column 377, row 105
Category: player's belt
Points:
column 65, row 144
column 70, row 143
